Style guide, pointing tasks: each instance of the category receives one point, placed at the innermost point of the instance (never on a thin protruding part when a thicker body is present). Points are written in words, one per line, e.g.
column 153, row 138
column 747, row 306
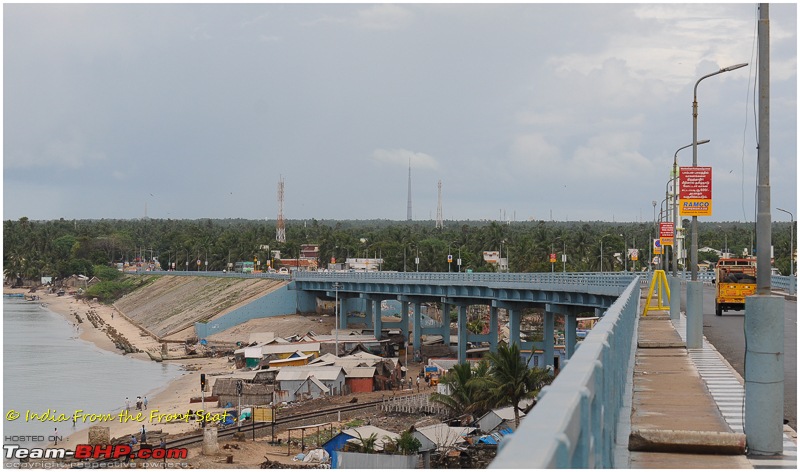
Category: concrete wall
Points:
column 280, row 302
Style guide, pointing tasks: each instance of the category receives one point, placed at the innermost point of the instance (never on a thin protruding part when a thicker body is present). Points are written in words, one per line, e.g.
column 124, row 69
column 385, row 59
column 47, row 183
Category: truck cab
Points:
column 734, row 279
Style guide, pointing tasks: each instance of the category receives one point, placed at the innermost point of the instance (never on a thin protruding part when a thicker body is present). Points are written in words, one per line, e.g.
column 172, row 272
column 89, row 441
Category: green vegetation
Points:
column 406, row 444
column 502, row 379
column 62, row 248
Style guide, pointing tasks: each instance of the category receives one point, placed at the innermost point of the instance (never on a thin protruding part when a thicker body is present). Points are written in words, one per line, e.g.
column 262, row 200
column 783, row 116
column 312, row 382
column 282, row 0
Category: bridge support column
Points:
column 377, row 322
column 404, row 320
column 570, row 328
column 462, row 334
column 368, row 313
column 549, row 338
column 417, row 328
column 493, row 329
column 513, row 325
column 446, row 323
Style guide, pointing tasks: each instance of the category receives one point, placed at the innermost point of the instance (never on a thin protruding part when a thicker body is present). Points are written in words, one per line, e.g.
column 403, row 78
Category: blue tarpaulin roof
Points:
column 496, row 437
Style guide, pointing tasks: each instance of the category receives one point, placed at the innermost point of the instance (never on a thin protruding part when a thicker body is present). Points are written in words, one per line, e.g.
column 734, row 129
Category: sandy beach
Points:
column 174, row 398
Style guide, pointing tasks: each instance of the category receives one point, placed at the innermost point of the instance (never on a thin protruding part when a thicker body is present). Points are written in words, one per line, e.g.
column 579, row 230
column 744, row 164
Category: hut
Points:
column 360, row 379
column 252, row 393
column 501, row 418
column 440, row 437
column 290, row 379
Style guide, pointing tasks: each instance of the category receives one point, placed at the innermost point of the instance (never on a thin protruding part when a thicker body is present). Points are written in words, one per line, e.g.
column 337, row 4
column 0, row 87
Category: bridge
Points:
column 585, row 405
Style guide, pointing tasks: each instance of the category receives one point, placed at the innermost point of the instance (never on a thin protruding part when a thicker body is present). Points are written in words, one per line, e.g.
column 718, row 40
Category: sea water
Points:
column 47, row 367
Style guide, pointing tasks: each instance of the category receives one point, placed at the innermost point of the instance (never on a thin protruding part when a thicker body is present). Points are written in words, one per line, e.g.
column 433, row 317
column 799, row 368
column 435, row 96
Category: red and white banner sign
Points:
column 666, row 232
column 695, row 191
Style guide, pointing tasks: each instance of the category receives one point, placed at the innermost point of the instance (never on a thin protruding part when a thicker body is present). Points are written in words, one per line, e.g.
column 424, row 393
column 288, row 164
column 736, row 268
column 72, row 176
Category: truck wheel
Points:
column 718, row 309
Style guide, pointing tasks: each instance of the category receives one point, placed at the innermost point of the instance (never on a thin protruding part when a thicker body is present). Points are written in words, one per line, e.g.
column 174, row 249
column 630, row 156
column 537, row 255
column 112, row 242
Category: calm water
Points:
column 45, row 366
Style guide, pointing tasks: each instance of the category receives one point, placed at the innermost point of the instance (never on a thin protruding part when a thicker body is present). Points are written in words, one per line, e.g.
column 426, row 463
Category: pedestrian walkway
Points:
column 675, row 423
column 727, row 390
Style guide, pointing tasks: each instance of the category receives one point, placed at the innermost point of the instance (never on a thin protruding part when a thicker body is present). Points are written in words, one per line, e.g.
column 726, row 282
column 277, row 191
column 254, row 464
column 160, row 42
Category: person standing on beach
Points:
column 144, row 402
column 138, row 403
column 127, row 405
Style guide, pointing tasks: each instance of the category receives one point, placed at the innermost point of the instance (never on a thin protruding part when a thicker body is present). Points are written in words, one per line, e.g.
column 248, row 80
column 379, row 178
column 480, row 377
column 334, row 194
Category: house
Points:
column 253, row 356
column 440, row 437
column 252, row 393
column 501, row 418
column 349, row 439
column 291, row 378
column 260, row 338
column 360, row 379
column 311, row 388
column 296, row 359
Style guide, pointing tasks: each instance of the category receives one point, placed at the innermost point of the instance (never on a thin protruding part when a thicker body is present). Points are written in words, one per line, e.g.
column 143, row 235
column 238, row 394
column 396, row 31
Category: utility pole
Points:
column 763, row 317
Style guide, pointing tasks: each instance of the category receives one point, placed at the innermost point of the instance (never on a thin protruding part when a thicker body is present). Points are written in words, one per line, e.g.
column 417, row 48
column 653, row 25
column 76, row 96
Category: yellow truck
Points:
column 734, row 279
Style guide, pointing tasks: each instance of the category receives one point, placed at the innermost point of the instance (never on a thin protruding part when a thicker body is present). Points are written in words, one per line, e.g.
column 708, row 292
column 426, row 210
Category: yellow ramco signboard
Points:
column 695, row 191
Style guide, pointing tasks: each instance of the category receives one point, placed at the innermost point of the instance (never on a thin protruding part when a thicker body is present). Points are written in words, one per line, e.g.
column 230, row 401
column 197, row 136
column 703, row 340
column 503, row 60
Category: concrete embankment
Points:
column 170, row 305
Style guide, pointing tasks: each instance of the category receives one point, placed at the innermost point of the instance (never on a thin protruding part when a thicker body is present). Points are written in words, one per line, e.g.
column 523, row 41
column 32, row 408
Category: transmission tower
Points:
column 408, row 215
column 439, row 220
column 280, row 235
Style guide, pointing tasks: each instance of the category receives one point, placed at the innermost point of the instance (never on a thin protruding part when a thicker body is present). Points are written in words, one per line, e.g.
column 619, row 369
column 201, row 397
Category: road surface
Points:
column 726, row 333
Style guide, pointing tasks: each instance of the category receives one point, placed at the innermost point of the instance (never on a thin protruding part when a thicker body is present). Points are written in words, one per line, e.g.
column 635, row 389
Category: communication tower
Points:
column 280, row 235
column 408, row 215
column 439, row 220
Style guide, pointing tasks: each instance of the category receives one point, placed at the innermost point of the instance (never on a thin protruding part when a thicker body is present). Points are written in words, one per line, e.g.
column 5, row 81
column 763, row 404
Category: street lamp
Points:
column 694, row 289
column 675, row 224
column 655, row 229
column 694, row 157
column 791, row 242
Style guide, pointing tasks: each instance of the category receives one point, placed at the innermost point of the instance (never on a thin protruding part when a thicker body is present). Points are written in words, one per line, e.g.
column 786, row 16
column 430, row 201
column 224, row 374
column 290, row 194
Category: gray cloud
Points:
column 577, row 108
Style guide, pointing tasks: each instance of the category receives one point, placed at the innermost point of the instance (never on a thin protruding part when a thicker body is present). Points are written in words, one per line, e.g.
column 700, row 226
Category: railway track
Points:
column 187, row 441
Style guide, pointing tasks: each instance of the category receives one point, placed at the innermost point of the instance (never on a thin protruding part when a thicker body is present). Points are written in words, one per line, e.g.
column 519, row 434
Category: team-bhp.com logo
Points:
column 87, row 451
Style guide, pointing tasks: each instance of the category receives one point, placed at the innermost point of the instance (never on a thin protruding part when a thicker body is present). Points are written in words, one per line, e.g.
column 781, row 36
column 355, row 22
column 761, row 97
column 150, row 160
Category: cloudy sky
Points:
column 521, row 110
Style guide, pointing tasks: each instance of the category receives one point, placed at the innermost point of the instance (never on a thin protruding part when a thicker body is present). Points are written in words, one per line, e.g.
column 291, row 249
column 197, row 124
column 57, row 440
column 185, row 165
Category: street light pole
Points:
column 694, row 157
column 791, row 243
column 650, row 251
column 694, row 289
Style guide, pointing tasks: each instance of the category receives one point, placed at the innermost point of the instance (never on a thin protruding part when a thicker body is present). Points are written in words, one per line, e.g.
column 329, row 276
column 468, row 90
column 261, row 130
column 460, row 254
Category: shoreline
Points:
column 172, row 398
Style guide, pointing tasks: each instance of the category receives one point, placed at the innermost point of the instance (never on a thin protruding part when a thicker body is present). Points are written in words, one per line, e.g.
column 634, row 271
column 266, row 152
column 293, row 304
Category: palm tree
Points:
column 405, row 444
column 367, row 444
column 510, row 380
column 465, row 395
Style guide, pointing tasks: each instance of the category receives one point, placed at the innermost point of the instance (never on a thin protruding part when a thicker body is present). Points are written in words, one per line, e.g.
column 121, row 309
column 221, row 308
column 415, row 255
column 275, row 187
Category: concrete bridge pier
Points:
column 549, row 337
column 462, row 333
column 369, row 320
column 570, row 330
column 403, row 323
column 465, row 336
column 514, row 318
column 494, row 330
column 417, row 329
column 445, row 326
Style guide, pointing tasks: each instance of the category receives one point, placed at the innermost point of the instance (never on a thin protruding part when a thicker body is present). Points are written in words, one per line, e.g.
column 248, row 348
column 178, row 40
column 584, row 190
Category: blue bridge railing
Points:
column 574, row 424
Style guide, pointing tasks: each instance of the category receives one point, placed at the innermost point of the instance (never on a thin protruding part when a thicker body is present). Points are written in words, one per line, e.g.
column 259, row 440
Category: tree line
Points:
column 61, row 248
